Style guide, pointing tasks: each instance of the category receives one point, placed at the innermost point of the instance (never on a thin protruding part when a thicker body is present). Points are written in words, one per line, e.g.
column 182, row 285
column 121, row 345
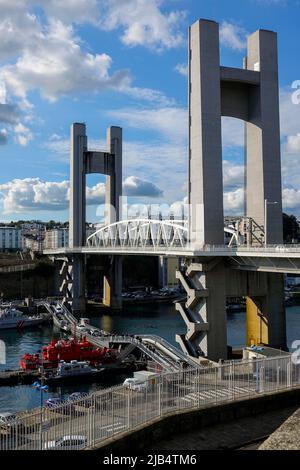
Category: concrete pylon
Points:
column 205, row 141
column 112, row 281
column 77, row 185
column 77, row 230
column 263, row 160
column 83, row 162
column 250, row 94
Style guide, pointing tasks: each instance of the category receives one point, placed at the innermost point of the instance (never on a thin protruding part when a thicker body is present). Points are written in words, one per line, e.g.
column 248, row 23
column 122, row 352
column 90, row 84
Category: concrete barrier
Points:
column 159, row 429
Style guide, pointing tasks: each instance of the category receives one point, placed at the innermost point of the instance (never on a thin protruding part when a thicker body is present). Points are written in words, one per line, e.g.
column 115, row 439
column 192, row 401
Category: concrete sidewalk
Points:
column 286, row 437
column 231, row 435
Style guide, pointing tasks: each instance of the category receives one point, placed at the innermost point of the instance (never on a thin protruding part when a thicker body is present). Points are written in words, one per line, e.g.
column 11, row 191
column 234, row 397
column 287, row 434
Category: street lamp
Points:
column 267, row 203
column 42, row 388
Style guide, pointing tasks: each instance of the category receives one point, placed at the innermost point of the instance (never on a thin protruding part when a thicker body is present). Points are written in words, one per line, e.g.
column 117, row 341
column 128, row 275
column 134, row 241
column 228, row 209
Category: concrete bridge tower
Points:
column 250, row 94
column 83, row 162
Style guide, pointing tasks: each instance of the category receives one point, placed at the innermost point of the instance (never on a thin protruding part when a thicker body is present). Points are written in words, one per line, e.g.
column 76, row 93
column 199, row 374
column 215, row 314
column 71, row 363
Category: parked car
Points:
column 135, row 384
column 71, row 442
column 53, row 402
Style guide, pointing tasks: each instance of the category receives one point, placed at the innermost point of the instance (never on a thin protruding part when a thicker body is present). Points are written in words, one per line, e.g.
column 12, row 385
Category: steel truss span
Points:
column 137, row 233
column 145, row 233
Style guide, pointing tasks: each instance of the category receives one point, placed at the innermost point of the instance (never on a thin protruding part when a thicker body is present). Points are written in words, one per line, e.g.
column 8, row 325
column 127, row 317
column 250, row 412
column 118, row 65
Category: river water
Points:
column 160, row 319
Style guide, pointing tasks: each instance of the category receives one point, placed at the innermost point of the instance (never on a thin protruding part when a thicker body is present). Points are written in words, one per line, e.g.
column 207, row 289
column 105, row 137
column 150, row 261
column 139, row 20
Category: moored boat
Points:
column 62, row 350
column 11, row 318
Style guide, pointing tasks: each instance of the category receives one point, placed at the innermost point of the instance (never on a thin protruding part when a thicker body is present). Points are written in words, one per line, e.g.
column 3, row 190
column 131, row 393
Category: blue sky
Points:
column 122, row 62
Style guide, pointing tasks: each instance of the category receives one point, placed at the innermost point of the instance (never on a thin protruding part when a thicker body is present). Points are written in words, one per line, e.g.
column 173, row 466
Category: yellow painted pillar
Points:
column 106, row 292
column 256, row 321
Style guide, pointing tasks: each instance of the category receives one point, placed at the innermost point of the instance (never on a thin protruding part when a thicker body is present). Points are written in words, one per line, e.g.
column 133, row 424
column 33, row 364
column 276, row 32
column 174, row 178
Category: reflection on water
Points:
column 159, row 319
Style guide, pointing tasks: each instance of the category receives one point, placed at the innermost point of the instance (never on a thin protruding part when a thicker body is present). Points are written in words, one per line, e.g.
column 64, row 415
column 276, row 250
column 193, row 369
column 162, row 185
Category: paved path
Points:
column 231, row 435
column 286, row 437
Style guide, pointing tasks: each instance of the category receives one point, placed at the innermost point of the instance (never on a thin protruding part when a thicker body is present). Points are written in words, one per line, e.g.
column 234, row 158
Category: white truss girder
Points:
column 140, row 233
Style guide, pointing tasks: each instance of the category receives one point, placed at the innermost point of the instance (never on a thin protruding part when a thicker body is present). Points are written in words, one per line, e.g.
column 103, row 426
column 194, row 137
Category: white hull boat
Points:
column 11, row 318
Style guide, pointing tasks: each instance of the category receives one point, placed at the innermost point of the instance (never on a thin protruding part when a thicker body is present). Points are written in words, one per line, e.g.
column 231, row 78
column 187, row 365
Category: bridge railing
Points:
column 246, row 248
column 91, row 420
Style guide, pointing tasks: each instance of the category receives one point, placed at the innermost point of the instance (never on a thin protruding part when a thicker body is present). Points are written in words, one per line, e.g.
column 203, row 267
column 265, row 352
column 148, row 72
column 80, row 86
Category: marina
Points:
column 161, row 320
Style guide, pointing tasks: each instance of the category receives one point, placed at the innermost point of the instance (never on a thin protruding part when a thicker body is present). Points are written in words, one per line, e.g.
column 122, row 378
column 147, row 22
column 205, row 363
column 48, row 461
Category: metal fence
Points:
column 92, row 419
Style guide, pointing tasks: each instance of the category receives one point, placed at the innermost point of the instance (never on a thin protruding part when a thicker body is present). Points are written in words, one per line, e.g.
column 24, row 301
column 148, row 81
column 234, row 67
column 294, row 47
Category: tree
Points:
column 291, row 229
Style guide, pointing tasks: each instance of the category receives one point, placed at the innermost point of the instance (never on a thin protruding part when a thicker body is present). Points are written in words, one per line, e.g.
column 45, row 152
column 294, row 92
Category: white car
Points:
column 135, row 384
column 141, row 387
column 72, row 442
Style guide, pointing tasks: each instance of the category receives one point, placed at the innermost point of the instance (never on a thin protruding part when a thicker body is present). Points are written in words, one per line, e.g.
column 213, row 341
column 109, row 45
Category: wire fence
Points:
column 92, row 419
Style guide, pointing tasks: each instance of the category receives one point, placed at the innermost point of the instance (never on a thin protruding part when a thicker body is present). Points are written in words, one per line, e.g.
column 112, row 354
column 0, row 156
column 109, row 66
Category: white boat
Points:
column 11, row 318
column 68, row 371
column 74, row 368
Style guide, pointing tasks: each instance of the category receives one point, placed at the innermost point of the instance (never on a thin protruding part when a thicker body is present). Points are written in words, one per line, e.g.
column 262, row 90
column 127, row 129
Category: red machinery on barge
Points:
column 62, row 350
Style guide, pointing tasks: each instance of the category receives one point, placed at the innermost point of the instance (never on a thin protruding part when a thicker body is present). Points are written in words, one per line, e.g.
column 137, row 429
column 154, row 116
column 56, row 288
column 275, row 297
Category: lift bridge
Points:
column 247, row 258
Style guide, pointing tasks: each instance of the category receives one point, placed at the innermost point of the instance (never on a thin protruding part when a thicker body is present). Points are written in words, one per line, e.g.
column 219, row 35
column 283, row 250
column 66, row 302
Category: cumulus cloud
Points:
column 134, row 186
column 234, row 202
column 233, row 36
column 33, row 194
column 57, row 66
column 291, row 198
column 43, row 53
column 143, row 23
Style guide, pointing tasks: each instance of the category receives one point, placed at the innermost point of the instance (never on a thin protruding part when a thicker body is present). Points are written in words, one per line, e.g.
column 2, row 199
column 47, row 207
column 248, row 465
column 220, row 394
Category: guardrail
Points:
column 91, row 420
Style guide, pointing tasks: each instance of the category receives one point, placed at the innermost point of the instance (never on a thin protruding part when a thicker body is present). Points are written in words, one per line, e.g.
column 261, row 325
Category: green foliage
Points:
column 291, row 229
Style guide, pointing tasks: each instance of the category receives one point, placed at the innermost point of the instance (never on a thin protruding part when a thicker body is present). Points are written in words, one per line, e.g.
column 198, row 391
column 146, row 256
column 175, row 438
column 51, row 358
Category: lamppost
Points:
column 42, row 388
column 267, row 203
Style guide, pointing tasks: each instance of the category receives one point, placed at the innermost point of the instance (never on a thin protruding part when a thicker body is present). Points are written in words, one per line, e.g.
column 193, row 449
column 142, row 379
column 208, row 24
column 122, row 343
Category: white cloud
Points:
column 291, row 199
column 182, row 69
column 135, row 187
column 23, row 134
column 233, row 175
column 234, row 202
column 69, row 11
column 143, row 23
column 293, row 144
column 18, row 28
column 3, row 136
column 33, row 194
column 57, row 66
column 233, row 36
column 289, row 113
column 95, row 195
column 169, row 122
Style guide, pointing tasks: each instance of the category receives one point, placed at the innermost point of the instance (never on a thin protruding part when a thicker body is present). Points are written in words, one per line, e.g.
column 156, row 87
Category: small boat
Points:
column 10, row 317
column 67, row 371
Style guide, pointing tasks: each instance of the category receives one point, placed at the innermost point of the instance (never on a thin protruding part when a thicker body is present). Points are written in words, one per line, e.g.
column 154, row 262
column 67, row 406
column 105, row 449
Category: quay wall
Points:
column 159, row 429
